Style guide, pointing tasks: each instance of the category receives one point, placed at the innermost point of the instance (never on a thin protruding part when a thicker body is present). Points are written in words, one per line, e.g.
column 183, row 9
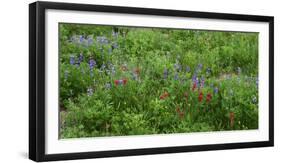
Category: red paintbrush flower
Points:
column 194, row 86
column 164, row 95
column 125, row 81
column 231, row 119
column 116, row 82
column 200, row 97
column 120, row 82
column 209, row 97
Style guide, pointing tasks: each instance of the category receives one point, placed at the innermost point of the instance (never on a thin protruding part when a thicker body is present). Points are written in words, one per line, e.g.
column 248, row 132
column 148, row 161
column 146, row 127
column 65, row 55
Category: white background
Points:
column 14, row 80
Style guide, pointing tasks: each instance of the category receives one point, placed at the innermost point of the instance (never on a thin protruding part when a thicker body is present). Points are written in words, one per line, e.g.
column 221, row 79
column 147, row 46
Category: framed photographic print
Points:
column 118, row 81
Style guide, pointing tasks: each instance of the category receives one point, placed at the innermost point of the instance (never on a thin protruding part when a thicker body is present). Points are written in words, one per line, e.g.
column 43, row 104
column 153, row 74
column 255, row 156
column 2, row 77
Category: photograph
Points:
column 129, row 81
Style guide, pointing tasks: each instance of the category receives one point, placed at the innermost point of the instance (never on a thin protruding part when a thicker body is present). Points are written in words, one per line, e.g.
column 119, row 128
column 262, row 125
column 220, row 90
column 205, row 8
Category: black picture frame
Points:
column 37, row 80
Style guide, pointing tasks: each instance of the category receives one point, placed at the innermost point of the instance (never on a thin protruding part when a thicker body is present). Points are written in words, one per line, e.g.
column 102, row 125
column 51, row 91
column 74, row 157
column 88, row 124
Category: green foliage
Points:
column 135, row 81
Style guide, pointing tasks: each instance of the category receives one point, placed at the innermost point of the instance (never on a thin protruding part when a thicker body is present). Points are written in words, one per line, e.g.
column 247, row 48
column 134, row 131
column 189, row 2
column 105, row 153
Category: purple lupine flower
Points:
column 92, row 63
column 90, row 91
column 197, row 81
column 102, row 40
column 81, row 38
column 90, row 41
column 194, row 76
column 176, row 77
column 202, row 82
column 187, row 69
column 216, row 90
column 72, row 60
column 166, row 73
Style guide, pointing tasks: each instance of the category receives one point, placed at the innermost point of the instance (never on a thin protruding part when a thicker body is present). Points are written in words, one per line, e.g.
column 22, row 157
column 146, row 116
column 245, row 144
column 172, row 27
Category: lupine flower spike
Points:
column 92, row 64
column 216, row 90
column 72, row 60
column 166, row 72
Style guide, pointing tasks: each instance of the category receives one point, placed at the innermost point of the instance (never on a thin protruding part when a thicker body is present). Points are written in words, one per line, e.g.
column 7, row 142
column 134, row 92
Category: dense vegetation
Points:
column 136, row 81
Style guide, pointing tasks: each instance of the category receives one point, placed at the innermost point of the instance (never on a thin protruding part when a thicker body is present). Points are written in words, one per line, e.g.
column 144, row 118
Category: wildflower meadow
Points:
column 120, row 81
